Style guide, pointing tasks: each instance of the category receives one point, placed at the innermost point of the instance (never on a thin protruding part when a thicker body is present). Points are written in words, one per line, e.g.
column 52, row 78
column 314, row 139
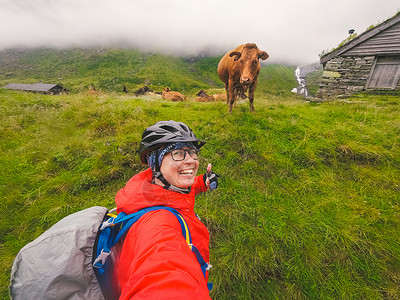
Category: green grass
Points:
column 309, row 200
column 109, row 70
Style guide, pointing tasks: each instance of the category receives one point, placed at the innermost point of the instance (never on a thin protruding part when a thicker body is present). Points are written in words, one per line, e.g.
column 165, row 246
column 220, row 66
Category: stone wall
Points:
column 344, row 76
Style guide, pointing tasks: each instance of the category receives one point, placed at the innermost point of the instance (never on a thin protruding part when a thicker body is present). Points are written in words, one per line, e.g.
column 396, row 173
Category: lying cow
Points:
column 203, row 97
column 143, row 91
column 238, row 70
column 220, row 97
column 167, row 94
column 201, row 93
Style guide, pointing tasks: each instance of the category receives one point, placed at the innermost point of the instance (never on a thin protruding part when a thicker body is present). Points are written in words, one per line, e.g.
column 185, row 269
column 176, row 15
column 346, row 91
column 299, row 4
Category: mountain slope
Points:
column 110, row 69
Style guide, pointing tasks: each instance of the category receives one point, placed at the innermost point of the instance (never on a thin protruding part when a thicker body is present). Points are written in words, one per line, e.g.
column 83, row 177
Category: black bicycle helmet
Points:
column 166, row 132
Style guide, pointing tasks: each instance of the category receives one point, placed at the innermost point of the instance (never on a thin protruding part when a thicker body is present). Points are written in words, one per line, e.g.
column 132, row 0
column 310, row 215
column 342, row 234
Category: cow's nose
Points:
column 245, row 80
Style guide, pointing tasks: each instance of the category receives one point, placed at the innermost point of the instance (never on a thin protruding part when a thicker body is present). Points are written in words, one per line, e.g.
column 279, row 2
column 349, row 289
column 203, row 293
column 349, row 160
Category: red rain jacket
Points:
column 155, row 261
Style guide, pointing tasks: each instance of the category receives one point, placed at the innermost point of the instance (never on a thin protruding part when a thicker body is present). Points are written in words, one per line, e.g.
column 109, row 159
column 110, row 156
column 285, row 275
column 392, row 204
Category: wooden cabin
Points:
column 371, row 61
column 44, row 88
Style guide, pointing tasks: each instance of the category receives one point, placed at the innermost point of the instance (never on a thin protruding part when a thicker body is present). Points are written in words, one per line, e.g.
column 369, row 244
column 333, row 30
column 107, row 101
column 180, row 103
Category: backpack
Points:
column 74, row 259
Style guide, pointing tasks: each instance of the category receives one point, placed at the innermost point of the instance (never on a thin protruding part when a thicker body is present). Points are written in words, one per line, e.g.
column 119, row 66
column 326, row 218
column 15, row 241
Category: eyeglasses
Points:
column 180, row 154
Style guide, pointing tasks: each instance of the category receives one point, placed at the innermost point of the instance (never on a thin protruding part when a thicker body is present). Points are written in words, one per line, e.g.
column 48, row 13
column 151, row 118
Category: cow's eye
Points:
column 254, row 62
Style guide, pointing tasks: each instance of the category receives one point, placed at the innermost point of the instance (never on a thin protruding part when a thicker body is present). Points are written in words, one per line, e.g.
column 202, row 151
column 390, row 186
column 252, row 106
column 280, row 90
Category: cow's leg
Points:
column 231, row 95
column 237, row 93
column 227, row 93
column 234, row 94
column 252, row 89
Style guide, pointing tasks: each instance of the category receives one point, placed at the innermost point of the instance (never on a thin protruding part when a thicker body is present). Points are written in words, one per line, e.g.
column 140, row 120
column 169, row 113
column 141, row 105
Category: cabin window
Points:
column 385, row 73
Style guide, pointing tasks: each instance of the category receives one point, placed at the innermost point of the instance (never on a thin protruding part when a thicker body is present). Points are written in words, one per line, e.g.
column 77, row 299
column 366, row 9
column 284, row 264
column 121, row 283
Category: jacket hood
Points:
column 139, row 193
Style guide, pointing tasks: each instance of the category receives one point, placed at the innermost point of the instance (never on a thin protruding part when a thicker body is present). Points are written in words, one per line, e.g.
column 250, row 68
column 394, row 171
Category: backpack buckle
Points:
column 108, row 223
column 209, row 266
column 101, row 259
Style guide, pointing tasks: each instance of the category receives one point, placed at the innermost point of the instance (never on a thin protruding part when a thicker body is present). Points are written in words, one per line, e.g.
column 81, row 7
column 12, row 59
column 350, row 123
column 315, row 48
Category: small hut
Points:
column 371, row 61
column 44, row 88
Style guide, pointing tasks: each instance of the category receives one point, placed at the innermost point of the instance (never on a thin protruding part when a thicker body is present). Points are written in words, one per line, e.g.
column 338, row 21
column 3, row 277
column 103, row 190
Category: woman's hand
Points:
column 211, row 178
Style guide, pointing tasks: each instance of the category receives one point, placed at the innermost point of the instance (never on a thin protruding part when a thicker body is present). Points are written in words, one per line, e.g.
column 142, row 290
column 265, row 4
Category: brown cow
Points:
column 203, row 97
column 220, row 97
column 238, row 70
column 92, row 91
column 167, row 94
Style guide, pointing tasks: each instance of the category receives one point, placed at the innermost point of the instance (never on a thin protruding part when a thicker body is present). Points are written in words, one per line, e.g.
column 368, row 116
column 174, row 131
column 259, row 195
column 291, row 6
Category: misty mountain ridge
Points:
column 110, row 69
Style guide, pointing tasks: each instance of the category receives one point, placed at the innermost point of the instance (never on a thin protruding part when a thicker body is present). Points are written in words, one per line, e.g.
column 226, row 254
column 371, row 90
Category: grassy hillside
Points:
column 309, row 199
column 313, row 81
column 110, row 69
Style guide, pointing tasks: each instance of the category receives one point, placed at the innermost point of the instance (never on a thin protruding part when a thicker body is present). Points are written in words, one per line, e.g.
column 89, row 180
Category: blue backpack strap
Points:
column 114, row 228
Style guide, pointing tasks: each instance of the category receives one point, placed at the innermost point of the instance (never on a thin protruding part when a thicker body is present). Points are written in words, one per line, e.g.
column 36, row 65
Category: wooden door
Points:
column 385, row 73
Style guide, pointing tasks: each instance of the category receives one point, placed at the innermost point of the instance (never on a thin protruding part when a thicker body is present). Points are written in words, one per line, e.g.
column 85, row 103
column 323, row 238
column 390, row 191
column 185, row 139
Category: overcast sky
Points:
column 291, row 31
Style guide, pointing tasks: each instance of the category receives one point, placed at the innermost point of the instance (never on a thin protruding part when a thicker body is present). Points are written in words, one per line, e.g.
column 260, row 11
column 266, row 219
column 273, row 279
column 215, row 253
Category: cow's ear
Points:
column 236, row 54
column 263, row 55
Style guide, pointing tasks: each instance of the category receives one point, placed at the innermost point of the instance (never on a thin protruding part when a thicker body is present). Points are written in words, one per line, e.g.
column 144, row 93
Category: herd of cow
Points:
column 202, row 96
column 238, row 69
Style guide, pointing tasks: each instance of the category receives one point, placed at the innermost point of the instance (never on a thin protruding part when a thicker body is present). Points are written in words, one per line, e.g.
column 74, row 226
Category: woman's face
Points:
column 179, row 173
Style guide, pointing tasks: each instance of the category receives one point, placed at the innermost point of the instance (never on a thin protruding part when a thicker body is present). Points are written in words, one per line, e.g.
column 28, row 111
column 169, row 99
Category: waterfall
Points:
column 301, row 87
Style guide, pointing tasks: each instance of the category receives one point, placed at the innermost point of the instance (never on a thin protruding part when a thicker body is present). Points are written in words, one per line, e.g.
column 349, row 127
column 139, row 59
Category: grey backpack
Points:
column 58, row 264
column 75, row 258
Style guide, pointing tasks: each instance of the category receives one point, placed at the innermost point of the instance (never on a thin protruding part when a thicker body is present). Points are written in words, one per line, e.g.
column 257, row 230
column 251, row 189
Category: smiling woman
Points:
column 155, row 260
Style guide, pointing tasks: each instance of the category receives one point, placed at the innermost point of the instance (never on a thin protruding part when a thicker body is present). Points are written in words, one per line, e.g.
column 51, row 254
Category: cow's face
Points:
column 248, row 63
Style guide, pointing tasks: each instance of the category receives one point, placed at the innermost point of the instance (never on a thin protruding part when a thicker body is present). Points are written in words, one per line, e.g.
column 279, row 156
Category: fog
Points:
column 292, row 32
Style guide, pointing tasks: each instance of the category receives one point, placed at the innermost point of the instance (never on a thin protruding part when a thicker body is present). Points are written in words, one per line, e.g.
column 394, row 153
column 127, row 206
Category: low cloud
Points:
column 291, row 32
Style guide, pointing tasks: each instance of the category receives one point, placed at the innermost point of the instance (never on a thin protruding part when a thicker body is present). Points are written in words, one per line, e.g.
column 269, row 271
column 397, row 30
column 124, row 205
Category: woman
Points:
column 155, row 261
